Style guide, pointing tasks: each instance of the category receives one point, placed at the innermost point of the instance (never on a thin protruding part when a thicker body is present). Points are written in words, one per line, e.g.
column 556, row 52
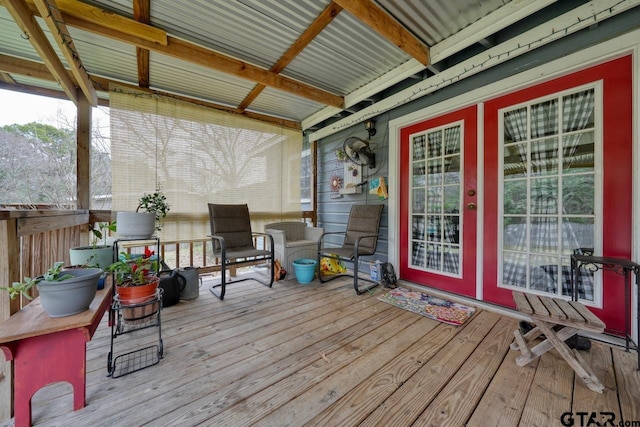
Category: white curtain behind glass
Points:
column 197, row 156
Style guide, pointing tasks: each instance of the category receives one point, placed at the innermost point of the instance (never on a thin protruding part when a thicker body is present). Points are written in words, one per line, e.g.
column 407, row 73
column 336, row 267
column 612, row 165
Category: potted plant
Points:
column 136, row 282
column 98, row 255
column 148, row 216
column 63, row 292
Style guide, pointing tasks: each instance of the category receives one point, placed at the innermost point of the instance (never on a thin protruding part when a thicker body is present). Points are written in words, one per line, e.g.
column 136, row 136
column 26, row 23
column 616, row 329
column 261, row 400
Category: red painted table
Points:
column 45, row 350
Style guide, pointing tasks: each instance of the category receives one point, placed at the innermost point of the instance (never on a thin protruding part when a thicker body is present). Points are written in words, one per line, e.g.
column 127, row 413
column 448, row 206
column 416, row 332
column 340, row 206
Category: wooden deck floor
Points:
column 320, row 355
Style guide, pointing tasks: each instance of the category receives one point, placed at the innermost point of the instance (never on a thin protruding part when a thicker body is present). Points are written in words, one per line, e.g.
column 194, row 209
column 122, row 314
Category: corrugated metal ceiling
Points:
column 345, row 56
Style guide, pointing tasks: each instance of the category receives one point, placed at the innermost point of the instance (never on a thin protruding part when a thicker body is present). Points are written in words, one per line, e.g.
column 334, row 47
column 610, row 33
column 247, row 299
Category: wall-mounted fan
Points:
column 359, row 151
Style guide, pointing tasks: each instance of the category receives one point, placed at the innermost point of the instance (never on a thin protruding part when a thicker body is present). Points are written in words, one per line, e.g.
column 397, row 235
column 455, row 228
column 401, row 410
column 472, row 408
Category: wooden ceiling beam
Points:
column 112, row 20
column 6, row 78
column 190, row 52
column 24, row 18
column 33, row 90
column 381, row 22
column 326, row 16
column 13, row 65
column 49, row 12
column 142, row 13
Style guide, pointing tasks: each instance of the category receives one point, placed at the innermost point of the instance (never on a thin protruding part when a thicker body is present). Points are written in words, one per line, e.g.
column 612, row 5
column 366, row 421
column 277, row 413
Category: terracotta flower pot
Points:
column 140, row 299
column 140, row 293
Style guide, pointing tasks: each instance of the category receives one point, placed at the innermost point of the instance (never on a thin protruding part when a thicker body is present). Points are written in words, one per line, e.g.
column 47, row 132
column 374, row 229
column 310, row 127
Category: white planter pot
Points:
column 82, row 255
column 135, row 225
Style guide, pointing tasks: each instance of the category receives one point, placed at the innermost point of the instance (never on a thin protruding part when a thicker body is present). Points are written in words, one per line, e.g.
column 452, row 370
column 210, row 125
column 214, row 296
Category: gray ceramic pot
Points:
column 71, row 296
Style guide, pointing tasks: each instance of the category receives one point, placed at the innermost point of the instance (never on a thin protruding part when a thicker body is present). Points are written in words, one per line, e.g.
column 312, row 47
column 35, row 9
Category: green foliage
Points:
column 38, row 165
column 155, row 203
column 99, row 232
column 53, row 274
column 130, row 271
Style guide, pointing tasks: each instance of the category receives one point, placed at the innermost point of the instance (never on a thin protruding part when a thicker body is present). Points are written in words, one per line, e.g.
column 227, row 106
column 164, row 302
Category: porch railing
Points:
column 32, row 240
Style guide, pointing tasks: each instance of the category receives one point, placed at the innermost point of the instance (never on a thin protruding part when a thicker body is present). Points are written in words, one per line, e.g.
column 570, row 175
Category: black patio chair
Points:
column 360, row 239
column 233, row 243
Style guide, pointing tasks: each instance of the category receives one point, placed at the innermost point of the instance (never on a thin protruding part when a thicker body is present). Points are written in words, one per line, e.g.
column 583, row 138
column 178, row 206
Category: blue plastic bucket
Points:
column 305, row 270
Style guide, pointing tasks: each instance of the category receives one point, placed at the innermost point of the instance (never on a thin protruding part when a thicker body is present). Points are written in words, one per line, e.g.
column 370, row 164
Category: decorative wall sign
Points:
column 336, row 184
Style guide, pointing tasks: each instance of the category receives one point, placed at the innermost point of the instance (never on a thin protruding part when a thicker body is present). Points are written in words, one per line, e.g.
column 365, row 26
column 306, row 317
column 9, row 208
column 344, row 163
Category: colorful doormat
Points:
column 435, row 308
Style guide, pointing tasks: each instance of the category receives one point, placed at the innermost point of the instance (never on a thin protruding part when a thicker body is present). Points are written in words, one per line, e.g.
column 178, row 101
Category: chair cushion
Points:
column 232, row 222
column 364, row 220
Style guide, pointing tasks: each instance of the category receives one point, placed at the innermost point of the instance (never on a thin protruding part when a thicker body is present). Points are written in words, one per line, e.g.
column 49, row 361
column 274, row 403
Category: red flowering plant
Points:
column 134, row 270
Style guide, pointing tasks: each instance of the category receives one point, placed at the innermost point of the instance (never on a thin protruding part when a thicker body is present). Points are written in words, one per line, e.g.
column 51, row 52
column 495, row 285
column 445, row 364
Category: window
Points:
column 549, row 191
column 436, row 177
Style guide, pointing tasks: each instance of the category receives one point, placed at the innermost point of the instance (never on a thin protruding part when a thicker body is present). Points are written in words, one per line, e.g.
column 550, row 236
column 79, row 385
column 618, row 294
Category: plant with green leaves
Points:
column 99, row 232
column 53, row 274
column 156, row 204
column 130, row 271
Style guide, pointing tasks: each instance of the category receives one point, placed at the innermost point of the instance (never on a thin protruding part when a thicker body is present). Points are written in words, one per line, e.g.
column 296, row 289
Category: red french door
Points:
column 438, row 198
column 558, row 179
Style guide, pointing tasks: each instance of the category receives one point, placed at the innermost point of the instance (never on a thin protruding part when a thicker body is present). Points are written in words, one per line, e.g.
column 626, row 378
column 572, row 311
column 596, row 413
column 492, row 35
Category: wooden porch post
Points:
column 83, row 159
column 9, row 273
column 314, row 184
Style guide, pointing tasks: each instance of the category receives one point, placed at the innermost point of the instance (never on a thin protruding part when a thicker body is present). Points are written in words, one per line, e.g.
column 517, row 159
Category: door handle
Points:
column 471, row 206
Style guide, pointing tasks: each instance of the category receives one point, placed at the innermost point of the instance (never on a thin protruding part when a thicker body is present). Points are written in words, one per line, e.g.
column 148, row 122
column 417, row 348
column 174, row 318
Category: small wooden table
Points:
column 547, row 312
column 45, row 350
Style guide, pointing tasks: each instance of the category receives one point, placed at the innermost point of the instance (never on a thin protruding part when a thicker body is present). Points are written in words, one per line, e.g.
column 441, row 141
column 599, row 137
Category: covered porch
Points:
column 319, row 354
column 334, row 358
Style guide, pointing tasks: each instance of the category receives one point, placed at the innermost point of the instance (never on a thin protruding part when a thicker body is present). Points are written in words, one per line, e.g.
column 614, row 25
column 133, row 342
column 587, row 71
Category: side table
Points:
column 30, row 334
column 620, row 266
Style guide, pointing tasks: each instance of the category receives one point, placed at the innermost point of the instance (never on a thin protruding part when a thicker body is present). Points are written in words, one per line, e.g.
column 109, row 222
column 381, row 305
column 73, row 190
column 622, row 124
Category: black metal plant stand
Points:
column 619, row 266
column 129, row 318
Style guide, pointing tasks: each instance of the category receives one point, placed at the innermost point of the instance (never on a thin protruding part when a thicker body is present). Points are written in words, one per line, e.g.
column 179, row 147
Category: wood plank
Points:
column 577, row 364
column 358, row 403
column 590, row 318
column 554, row 311
column 9, row 273
column 522, row 303
column 503, row 402
column 29, row 26
column 599, row 359
column 32, row 320
column 332, row 361
column 573, row 317
column 42, row 223
column 538, row 308
column 521, row 343
column 627, row 383
column 389, row 335
column 376, row 18
column 454, row 405
column 551, row 392
column 60, row 33
column 406, row 404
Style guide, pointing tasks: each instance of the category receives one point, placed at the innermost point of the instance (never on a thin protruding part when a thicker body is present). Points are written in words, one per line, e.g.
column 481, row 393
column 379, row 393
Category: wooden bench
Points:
column 45, row 350
column 546, row 313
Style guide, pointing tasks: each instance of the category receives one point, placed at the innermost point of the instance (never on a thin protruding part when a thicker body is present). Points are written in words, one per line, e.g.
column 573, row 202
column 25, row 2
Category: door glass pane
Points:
column 548, row 211
column 577, row 152
column 544, row 156
column 515, row 161
column 514, row 234
column 515, row 197
column 436, row 178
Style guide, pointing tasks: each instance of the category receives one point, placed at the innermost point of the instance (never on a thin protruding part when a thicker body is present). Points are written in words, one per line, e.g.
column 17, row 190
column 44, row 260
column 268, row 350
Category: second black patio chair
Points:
column 233, row 243
column 360, row 239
